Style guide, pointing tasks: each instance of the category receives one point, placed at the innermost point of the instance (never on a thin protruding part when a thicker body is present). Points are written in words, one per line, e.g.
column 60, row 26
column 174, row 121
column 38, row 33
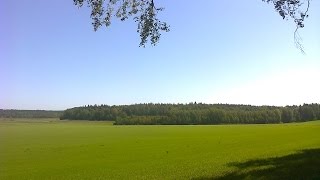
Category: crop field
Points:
column 53, row 149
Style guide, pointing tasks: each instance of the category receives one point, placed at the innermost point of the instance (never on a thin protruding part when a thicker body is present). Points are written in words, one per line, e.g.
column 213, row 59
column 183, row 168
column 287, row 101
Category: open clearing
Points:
column 53, row 149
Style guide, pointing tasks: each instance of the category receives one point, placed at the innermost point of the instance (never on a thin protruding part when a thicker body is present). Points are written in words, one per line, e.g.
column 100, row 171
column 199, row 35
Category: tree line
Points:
column 12, row 113
column 193, row 113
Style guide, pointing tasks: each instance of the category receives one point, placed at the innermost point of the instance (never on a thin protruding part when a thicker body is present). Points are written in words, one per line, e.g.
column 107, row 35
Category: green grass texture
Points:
column 53, row 149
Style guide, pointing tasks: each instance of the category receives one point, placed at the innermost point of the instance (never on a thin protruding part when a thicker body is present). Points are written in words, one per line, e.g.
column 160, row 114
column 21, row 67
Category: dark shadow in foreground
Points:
column 304, row 164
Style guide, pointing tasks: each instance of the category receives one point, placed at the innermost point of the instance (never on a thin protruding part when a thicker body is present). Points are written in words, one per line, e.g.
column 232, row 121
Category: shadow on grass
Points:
column 304, row 164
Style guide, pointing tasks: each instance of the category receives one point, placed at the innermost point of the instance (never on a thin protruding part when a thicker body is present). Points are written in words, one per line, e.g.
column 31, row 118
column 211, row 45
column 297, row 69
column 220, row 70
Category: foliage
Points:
column 144, row 12
column 97, row 150
column 295, row 9
column 194, row 113
column 291, row 8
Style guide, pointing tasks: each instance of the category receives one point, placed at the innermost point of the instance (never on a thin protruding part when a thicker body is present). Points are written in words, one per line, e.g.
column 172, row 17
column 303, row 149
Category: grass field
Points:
column 53, row 149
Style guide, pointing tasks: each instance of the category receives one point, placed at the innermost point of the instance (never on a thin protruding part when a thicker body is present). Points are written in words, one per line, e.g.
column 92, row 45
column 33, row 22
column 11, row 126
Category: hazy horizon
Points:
column 152, row 103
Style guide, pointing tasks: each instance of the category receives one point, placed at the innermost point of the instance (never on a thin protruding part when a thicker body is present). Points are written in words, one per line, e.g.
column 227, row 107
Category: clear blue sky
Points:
column 216, row 52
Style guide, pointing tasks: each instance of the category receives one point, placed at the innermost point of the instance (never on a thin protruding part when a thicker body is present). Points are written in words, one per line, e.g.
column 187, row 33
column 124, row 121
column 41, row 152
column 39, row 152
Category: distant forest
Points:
column 29, row 113
column 193, row 113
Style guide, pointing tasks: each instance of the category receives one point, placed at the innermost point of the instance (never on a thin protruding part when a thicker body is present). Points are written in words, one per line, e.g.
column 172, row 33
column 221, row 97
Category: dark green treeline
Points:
column 12, row 113
column 194, row 113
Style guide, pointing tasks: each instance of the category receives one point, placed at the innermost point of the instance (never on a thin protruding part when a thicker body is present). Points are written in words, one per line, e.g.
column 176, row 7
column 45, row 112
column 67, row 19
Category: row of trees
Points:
column 29, row 114
column 194, row 113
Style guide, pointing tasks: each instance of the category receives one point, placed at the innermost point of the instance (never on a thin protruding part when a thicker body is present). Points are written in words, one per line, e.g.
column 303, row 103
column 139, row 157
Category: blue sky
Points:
column 216, row 52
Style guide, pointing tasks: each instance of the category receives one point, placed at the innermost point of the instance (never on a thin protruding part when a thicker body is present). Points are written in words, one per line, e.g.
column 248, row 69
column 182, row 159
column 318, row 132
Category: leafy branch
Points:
column 143, row 12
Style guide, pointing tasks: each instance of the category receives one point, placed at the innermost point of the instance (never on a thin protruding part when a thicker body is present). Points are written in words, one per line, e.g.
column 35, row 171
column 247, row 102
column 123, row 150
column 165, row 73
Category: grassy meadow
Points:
column 53, row 149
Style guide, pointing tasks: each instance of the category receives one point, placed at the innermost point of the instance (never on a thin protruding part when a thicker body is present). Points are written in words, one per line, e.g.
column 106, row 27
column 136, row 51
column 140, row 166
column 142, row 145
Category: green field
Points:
column 53, row 149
